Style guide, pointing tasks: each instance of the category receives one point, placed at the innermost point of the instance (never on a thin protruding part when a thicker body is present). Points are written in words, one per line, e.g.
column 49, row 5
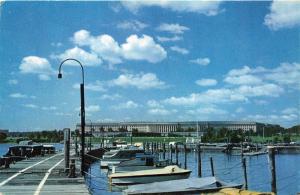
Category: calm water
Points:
column 228, row 168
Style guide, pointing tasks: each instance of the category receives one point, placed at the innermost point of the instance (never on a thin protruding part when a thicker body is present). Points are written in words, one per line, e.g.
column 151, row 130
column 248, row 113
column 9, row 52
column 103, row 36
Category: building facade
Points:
column 168, row 127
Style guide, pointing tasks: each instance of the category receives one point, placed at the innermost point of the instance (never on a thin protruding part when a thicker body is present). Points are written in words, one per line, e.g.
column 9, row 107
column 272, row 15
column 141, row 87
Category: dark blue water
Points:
column 229, row 169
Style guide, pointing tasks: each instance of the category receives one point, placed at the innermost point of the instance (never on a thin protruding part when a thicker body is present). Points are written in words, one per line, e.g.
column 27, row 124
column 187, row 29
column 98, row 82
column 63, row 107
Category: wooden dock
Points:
column 41, row 175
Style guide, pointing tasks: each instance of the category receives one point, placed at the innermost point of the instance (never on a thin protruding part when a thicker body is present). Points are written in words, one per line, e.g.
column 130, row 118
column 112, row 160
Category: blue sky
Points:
column 149, row 61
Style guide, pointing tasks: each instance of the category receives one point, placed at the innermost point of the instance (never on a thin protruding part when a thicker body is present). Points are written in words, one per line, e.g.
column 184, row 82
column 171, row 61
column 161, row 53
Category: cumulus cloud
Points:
column 127, row 105
column 201, row 61
column 140, row 81
column 33, row 106
column 283, row 14
column 206, row 82
column 110, row 96
column 90, row 108
column 49, row 108
column 208, row 8
column 154, row 104
column 143, row 48
column 161, row 111
column 36, row 65
column 95, row 86
column 243, row 80
column 135, row 48
column 132, row 25
column 169, row 39
column 172, row 28
column 86, row 58
column 17, row 95
column 179, row 50
column 207, row 111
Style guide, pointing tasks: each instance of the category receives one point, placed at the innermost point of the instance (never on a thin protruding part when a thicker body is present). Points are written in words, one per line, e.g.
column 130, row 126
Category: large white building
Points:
column 167, row 127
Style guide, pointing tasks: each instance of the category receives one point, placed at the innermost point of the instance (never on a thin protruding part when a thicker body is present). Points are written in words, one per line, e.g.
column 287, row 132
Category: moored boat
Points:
column 181, row 186
column 148, row 176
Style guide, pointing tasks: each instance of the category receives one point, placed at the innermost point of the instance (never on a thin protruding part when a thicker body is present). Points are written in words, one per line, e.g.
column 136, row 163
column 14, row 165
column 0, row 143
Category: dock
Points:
column 42, row 175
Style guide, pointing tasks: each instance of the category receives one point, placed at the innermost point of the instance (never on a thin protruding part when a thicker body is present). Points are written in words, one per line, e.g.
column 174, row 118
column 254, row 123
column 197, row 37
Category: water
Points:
column 229, row 169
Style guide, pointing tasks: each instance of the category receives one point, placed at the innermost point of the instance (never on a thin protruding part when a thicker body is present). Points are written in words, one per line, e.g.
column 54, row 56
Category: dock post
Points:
column 242, row 152
column 245, row 173
column 67, row 148
column 176, row 153
column 72, row 173
column 185, row 157
column 164, row 151
column 273, row 169
column 171, row 153
column 199, row 161
column 76, row 145
column 212, row 167
column 151, row 147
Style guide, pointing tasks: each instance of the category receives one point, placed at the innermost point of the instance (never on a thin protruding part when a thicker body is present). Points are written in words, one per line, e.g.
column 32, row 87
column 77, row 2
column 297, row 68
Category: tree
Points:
column 286, row 138
column 110, row 129
column 3, row 136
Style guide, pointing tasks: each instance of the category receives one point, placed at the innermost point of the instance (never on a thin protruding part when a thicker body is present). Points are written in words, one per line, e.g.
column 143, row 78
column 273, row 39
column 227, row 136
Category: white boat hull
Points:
column 148, row 178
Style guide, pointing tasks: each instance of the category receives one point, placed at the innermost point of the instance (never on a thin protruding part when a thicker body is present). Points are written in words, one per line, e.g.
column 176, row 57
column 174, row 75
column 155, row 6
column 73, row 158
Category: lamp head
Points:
column 59, row 75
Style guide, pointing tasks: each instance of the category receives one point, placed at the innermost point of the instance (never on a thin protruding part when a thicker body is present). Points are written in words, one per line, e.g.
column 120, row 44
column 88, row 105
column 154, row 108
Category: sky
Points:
column 149, row 61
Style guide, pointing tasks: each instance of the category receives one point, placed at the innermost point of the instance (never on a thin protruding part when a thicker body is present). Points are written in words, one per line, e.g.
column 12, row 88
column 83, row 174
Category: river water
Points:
column 227, row 168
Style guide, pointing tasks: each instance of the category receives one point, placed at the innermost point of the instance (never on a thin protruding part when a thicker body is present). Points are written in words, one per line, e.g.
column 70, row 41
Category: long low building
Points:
column 167, row 127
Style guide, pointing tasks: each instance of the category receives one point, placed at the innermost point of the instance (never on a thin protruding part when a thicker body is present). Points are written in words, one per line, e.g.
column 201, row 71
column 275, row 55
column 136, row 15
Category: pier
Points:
column 42, row 175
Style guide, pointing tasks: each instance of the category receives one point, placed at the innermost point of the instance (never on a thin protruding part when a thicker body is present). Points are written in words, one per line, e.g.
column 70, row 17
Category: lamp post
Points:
column 82, row 110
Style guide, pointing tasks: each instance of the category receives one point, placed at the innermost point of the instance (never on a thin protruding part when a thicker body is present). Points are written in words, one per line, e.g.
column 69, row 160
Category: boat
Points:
column 141, row 159
column 148, row 176
column 117, row 156
column 181, row 186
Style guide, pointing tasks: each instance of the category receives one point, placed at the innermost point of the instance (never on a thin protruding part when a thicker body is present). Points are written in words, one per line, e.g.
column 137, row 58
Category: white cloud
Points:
column 132, row 25
column 240, row 110
column 243, row 80
column 143, row 48
column 33, row 106
column 90, row 108
column 206, row 82
column 270, row 90
column 273, row 118
column 13, row 81
column 86, row 58
column 201, row 61
column 110, row 96
column 208, row 8
column 283, row 14
column 161, row 111
column 286, row 74
column 127, row 105
column 169, row 39
column 36, row 65
column 49, row 108
column 154, row 104
column 95, row 86
column 17, row 95
column 179, row 50
column 207, row 111
column 135, row 48
column 290, row 111
column 172, row 28
column 140, row 81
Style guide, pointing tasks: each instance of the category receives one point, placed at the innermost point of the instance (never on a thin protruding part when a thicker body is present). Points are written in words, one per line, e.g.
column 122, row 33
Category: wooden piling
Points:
column 199, row 160
column 152, row 148
column 212, row 167
column 273, row 169
column 67, row 148
column 185, row 157
column 245, row 173
column 164, row 151
column 176, row 153
column 171, row 153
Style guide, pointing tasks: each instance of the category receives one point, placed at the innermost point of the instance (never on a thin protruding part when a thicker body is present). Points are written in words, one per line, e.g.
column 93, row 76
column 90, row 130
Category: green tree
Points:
column 3, row 136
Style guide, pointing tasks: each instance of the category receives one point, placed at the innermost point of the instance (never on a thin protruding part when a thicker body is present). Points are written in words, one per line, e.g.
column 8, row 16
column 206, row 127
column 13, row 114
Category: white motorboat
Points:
column 149, row 176
column 117, row 156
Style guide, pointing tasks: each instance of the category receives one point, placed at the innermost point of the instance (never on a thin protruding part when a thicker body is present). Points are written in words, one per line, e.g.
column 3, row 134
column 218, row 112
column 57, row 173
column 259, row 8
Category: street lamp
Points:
column 82, row 113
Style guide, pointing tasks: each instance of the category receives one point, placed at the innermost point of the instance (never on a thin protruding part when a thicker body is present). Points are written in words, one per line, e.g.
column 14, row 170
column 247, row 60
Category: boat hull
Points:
column 142, row 179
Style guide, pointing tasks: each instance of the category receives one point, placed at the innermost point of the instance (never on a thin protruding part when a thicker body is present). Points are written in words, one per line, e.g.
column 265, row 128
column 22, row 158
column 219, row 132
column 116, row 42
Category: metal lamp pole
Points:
column 82, row 110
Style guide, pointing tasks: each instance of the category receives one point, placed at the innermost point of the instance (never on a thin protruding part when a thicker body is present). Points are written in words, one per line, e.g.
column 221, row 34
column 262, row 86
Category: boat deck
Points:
column 41, row 175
